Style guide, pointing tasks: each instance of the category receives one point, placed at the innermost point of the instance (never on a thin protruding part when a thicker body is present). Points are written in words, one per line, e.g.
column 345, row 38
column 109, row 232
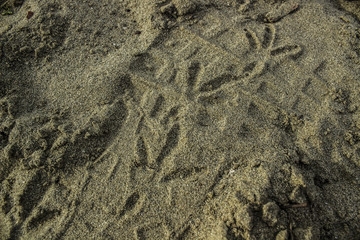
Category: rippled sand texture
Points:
column 180, row 119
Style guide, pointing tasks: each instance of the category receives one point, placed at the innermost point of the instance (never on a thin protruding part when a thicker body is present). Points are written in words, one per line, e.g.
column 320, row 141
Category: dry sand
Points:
column 180, row 119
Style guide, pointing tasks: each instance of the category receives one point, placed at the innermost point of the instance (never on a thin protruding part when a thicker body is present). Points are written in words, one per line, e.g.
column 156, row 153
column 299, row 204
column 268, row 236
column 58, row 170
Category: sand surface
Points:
column 180, row 119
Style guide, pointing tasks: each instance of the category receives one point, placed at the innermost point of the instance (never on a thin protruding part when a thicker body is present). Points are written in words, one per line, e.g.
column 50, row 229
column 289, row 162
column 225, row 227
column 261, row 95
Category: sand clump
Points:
column 182, row 119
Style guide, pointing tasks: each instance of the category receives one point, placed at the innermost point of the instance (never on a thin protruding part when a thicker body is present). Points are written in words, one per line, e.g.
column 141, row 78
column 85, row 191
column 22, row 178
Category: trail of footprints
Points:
column 195, row 66
column 260, row 55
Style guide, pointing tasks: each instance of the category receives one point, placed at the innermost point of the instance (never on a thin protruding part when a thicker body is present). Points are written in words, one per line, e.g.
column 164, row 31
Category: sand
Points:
column 180, row 119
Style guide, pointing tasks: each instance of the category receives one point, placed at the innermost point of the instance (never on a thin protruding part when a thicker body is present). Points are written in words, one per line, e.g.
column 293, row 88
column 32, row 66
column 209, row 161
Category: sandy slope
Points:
column 182, row 119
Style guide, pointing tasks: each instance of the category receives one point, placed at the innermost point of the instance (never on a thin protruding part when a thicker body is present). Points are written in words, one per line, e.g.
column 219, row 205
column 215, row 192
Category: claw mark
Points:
column 249, row 68
column 216, row 83
column 140, row 125
column 172, row 113
column 130, row 203
column 288, row 49
column 181, row 174
column 113, row 170
column 306, row 86
column 319, row 68
column 268, row 37
column 194, row 70
column 252, row 38
column 173, row 76
column 193, row 53
column 141, row 152
column 157, row 106
column 171, row 142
